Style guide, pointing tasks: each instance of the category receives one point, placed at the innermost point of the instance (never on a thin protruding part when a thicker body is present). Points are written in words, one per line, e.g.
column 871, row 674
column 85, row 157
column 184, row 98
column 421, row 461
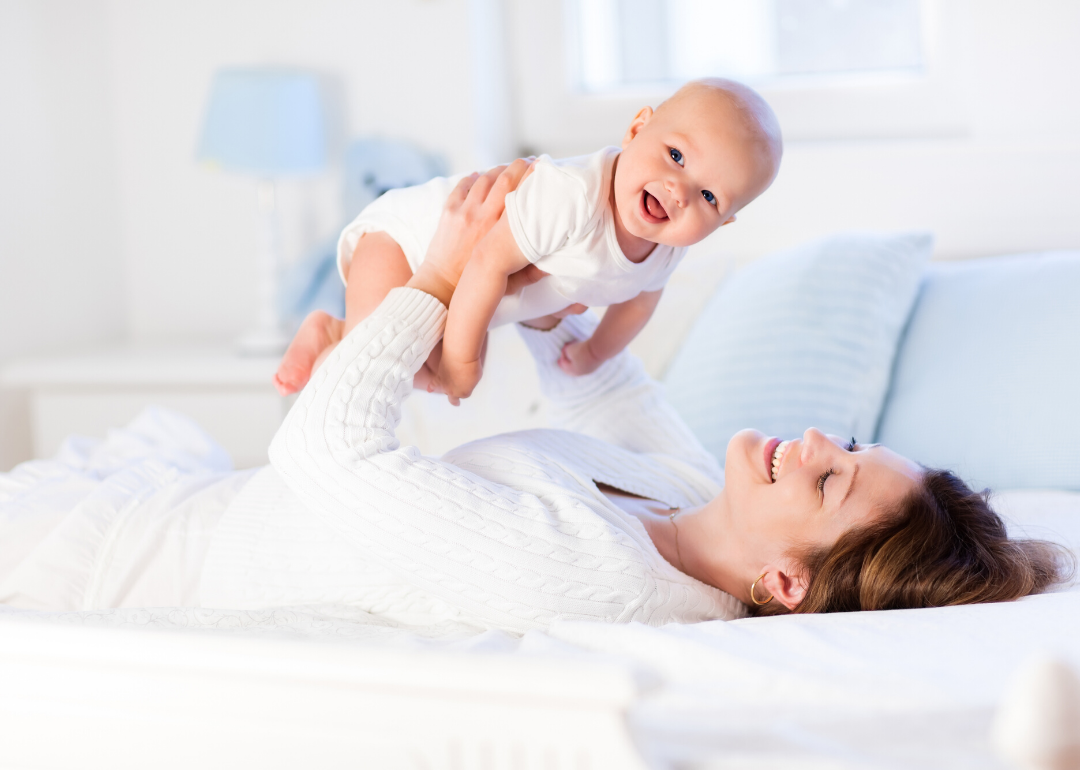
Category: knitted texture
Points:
column 510, row 532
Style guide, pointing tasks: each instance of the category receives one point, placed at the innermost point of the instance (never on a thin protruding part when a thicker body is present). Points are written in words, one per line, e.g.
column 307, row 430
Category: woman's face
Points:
column 822, row 486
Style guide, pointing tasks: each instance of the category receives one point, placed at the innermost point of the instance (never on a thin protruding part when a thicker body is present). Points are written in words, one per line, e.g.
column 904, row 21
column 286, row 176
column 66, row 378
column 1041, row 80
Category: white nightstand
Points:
column 230, row 396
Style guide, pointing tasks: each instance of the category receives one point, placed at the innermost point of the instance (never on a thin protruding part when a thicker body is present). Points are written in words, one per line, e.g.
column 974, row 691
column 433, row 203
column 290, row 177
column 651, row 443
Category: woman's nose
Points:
column 813, row 435
column 813, row 443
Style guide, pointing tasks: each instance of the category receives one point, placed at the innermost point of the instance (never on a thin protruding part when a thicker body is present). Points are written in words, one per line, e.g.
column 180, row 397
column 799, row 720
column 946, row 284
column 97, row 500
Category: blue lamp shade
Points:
column 265, row 122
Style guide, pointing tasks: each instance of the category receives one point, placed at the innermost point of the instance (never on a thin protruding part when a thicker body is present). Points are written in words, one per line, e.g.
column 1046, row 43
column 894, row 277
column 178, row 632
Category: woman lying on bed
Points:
column 619, row 516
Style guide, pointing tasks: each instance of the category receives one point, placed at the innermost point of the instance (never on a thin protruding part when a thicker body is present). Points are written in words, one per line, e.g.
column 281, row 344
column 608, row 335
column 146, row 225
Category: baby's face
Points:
column 685, row 171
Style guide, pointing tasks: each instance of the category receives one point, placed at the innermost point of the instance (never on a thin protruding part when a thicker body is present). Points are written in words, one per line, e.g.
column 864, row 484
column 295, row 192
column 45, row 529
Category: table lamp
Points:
column 266, row 123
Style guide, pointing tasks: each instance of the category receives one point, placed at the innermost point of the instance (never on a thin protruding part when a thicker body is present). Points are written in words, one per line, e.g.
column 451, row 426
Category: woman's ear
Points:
column 644, row 116
column 784, row 582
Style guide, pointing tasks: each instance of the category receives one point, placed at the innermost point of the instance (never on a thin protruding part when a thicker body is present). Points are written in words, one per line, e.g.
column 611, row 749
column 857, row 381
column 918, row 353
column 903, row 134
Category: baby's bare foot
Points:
column 317, row 333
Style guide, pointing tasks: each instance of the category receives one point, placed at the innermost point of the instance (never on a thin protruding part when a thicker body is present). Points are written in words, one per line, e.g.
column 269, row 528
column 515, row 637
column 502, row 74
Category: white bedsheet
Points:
column 914, row 688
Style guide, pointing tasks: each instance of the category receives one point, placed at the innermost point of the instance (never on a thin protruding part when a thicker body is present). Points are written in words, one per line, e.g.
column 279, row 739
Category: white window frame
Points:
column 553, row 115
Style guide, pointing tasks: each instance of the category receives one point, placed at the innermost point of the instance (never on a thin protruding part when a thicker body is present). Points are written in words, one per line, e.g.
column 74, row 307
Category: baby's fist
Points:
column 577, row 359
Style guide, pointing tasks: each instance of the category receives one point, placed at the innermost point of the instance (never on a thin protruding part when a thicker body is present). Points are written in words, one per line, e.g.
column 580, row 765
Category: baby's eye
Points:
column 675, row 155
column 708, row 196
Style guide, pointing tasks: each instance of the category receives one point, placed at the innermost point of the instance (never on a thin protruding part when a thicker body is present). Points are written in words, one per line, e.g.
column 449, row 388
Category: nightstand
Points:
column 87, row 393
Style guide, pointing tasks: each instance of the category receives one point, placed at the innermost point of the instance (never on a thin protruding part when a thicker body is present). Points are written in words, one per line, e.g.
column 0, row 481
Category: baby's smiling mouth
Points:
column 654, row 212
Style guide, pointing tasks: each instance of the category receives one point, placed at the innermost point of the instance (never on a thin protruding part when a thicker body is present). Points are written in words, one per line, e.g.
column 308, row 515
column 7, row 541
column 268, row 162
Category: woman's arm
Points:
column 505, row 556
column 471, row 210
column 498, row 553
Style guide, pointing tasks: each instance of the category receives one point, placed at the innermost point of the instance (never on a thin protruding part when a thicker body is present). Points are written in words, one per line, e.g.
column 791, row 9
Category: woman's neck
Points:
column 708, row 549
column 693, row 540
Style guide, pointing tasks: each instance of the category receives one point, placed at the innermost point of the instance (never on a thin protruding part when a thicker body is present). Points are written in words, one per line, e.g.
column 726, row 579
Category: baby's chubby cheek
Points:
column 688, row 229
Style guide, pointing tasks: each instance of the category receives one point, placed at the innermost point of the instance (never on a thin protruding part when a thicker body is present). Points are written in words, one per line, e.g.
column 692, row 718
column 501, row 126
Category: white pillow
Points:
column 1046, row 514
column 799, row 339
column 986, row 376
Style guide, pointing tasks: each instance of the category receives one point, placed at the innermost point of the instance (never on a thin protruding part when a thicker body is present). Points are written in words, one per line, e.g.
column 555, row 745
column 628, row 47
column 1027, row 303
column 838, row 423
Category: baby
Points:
column 607, row 228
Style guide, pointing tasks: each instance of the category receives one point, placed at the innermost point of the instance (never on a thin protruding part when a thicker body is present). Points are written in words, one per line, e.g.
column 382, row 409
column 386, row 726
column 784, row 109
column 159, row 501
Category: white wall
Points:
column 189, row 233
column 1006, row 179
column 1009, row 184
column 109, row 229
column 62, row 281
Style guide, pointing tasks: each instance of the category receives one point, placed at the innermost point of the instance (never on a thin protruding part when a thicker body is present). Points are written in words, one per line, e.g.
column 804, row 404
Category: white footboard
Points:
column 74, row 697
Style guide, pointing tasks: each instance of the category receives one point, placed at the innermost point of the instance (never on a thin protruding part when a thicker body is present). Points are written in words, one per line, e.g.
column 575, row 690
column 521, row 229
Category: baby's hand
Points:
column 454, row 379
column 425, row 378
column 577, row 358
column 456, row 382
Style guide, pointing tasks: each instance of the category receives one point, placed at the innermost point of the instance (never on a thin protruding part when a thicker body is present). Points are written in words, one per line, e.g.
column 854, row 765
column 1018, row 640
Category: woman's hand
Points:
column 472, row 209
column 549, row 322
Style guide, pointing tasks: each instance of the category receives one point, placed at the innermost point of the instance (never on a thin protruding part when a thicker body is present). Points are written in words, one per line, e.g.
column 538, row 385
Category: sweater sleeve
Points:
column 618, row 403
column 501, row 554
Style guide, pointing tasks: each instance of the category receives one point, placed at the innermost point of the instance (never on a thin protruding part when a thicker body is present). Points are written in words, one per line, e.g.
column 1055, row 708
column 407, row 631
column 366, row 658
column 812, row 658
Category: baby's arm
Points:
column 481, row 287
column 620, row 324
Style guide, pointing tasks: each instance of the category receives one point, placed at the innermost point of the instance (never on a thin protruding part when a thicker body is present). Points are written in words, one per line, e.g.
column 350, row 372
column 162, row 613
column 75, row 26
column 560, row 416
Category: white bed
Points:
column 332, row 686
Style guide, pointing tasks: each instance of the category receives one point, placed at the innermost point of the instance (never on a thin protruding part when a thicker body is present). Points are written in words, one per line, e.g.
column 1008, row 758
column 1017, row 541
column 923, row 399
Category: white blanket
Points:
column 914, row 688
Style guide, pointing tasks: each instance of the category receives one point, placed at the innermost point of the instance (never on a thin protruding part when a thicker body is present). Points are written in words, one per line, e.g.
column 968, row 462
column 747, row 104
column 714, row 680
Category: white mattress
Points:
column 913, row 688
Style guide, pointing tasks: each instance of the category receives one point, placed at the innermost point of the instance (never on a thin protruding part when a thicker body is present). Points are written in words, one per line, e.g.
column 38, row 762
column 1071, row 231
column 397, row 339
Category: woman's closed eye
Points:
column 822, row 479
column 850, row 447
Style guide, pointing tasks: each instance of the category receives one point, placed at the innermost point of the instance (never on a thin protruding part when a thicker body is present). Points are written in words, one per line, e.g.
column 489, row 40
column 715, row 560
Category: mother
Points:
column 619, row 516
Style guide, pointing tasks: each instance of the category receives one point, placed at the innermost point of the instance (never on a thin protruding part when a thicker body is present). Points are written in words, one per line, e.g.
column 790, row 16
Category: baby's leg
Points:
column 317, row 334
column 378, row 265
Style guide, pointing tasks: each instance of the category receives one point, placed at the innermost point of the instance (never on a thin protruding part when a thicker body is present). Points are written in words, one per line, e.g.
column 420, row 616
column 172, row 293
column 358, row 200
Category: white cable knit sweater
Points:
column 508, row 532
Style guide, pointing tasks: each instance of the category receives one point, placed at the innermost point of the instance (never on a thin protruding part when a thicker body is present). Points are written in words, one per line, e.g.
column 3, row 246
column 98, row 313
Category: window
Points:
column 832, row 69
column 639, row 42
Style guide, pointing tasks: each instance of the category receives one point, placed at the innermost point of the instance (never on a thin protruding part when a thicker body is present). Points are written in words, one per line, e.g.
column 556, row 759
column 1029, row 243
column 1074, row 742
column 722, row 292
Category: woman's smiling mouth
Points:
column 651, row 210
column 778, row 459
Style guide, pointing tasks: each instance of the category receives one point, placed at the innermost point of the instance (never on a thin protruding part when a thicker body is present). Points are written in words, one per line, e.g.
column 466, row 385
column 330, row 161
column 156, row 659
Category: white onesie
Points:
column 562, row 221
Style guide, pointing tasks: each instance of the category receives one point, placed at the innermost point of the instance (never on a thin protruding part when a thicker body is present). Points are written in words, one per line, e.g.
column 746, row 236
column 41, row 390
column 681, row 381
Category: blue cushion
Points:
column 799, row 339
column 986, row 375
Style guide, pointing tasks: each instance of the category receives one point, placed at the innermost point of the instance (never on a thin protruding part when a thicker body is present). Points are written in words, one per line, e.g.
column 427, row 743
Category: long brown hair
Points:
column 943, row 545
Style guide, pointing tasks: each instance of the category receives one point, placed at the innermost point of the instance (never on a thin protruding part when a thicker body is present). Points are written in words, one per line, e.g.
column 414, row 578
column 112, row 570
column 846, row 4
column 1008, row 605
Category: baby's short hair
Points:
column 757, row 117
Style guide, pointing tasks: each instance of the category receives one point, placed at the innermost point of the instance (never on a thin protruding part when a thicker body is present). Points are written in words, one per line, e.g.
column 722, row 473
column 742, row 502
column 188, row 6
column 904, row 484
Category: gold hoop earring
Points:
column 753, row 586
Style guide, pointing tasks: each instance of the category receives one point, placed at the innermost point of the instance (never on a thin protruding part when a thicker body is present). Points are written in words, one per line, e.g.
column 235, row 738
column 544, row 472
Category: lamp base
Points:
column 262, row 342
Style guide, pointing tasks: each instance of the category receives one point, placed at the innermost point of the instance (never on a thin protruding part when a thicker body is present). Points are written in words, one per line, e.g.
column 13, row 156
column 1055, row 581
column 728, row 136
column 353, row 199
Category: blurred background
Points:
column 121, row 230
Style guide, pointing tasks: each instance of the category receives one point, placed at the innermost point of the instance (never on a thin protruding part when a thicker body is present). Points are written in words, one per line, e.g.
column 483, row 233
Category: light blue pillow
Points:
column 799, row 339
column 987, row 374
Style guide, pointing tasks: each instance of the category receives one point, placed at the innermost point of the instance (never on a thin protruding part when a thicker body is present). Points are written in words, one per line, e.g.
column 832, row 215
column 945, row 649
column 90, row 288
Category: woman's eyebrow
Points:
column 854, row 473
column 850, row 486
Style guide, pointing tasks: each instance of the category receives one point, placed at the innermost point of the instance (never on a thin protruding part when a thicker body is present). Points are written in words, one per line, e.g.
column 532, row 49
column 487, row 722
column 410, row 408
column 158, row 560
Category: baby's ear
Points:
column 643, row 116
